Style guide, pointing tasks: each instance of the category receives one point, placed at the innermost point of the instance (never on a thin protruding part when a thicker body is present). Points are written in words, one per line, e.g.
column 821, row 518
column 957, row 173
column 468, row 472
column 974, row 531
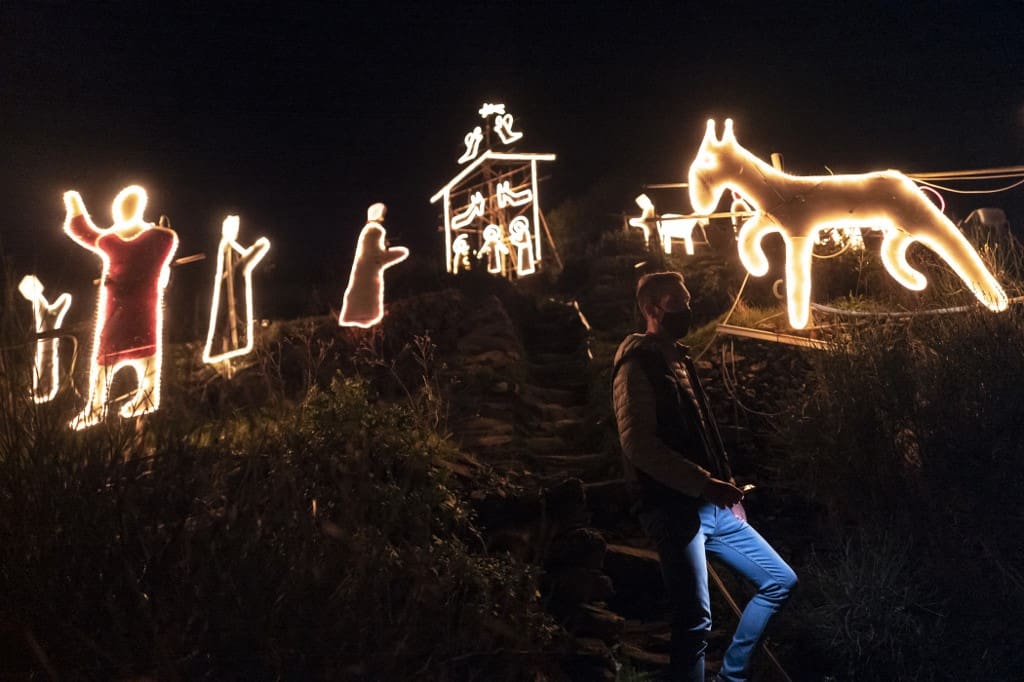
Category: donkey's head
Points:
column 714, row 165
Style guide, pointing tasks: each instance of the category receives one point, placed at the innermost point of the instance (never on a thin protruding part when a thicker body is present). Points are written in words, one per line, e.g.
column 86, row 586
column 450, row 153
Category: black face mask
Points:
column 676, row 323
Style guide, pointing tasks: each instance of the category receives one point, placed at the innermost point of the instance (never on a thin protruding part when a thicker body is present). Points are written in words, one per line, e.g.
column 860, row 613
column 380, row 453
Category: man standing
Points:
column 688, row 501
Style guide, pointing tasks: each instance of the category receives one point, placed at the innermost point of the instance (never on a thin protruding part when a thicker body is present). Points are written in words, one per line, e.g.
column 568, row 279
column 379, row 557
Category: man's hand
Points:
column 738, row 511
column 721, row 494
column 73, row 203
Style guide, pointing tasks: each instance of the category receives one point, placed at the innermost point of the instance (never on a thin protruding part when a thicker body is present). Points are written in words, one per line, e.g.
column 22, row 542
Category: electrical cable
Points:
column 971, row 191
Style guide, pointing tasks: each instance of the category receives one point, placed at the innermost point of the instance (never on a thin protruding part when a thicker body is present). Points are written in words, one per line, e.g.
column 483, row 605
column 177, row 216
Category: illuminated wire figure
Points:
column 232, row 256
column 136, row 259
column 503, row 127
column 476, row 208
column 363, row 305
column 509, row 197
column 669, row 226
column 48, row 317
column 798, row 207
column 493, row 249
column 472, row 140
column 460, row 253
column 522, row 240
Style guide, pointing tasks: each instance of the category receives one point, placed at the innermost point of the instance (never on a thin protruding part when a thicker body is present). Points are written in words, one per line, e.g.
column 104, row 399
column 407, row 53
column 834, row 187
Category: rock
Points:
column 568, row 587
column 583, row 547
column 595, row 621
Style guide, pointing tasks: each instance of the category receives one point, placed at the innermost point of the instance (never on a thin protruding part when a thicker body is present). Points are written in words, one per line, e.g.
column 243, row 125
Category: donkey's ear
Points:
column 709, row 133
column 728, row 134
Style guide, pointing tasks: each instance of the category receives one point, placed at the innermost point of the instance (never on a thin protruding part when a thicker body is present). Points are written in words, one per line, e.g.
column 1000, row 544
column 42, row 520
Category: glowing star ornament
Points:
column 48, row 317
column 522, row 239
column 493, row 249
column 798, row 207
column 460, row 253
column 472, row 140
column 363, row 305
column 509, row 197
column 476, row 208
column 503, row 127
column 231, row 256
column 136, row 259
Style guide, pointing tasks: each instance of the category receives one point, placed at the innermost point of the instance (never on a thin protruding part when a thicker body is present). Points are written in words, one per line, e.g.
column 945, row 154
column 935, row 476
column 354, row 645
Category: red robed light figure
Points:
column 129, row 311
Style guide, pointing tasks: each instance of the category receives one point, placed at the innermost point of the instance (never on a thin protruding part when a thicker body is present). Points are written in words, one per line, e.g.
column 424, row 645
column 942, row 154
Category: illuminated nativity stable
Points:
column 799, row 208
column 492, row 215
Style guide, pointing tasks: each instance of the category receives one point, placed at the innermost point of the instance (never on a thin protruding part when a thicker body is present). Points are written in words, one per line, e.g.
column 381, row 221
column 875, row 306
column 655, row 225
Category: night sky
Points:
column 297, row 116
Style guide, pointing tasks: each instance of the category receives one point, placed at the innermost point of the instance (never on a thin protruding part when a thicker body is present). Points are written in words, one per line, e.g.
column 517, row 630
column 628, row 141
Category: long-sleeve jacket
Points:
column 670, row 443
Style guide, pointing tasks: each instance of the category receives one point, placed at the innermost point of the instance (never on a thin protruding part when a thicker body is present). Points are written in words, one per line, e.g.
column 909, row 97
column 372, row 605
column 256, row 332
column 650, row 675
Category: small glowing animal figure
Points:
column 670, row 226
column 797, row 207
column 460, row 253
column 493, row 249
column 472, row 140
column 247, row 260
column 48, row 317
column 129, row 311
column 475, row 209
column 503, row 127
column 507, row 197
column 519, row 235
column 363, row 305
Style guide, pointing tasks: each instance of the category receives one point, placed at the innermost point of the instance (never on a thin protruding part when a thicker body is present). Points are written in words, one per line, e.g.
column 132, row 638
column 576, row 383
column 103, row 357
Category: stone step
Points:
column 581, row 465
column 542, row 445
column 484, row 425
column 636, row 576
column 484, row 440
column 565, row 428
column 558, row 396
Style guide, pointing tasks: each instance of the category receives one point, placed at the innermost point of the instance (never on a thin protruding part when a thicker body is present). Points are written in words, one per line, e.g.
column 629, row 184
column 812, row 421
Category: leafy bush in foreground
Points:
column 321, row 543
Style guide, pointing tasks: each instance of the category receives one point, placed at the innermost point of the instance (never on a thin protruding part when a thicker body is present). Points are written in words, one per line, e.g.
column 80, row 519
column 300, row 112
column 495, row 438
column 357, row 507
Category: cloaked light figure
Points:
column 460, row 253
column 473, row 139
column 363, row 305
column 48, row 317
column 797, row 207
column 522, row 240
column 136, row 259
column 476, row 208
column 493, row 249
column 231, row 256
column 503, row 127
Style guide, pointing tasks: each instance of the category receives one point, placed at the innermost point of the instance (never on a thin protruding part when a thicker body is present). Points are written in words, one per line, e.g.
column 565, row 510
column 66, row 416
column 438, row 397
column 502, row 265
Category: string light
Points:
column 522, row 239
column 473, row 139
column 248, row 258
column 503, row 127
column 508, row 197
column 798, row 207
column 136, row 259
column 493, row 249
column 363, row 305
column 48, row 317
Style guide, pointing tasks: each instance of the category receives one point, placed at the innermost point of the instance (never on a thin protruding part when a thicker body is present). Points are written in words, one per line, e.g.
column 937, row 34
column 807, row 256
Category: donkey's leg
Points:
column 894, row 256
column 799, row 251
column 749, row 243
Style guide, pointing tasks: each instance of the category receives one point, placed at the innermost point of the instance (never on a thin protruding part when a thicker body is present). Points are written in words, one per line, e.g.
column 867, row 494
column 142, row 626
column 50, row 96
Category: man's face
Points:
column 676, row 300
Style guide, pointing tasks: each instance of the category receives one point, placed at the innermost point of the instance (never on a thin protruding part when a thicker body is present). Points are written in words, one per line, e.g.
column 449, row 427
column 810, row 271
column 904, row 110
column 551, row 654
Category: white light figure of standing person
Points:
column 363, row 305
column 522, row 240
column 503, row 127
column 493, row 249
column 473, row 139
column 136, row 259
column 48, row 317
column 798, row 207
column 231, row 256
column 460, row 253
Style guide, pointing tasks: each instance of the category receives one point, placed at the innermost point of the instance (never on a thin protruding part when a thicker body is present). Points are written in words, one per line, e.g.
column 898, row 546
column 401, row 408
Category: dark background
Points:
column 297, row 116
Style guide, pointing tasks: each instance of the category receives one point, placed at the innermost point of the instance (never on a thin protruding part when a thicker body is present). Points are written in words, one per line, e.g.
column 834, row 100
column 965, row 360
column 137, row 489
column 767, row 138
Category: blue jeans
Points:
column 682, row 533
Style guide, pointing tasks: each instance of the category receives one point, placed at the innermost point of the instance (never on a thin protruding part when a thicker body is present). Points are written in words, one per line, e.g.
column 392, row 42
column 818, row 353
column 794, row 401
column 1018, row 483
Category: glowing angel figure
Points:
column 363, row 305
column 798, row 207
column 670, row 226
column 509, row 197
column 476, row 208
column 503, row 127
column 472, row 140
column 493, row 249
column 231, row 256
column 129, row 311
column 519, row 235
column 460, row 253
column 48, row 317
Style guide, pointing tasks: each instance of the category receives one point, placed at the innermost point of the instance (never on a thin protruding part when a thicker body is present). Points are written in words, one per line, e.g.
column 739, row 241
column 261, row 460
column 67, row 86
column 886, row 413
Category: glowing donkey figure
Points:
column 797, row 207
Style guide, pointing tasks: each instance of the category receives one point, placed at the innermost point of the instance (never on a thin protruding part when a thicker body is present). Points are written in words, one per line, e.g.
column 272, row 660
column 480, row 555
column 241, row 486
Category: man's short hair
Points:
column 653, row 286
